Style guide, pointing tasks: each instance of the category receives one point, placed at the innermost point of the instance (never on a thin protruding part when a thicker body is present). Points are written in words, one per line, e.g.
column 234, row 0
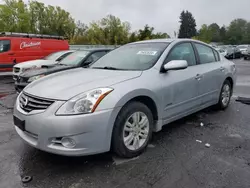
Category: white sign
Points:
column 28, row 45
column 147, row 53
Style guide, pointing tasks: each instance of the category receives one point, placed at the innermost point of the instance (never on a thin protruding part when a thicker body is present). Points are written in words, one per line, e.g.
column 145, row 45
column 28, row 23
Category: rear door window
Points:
column 205, row 53
column 4, row 46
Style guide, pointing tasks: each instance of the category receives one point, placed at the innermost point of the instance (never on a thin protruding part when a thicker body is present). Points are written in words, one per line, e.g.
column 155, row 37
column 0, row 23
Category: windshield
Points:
column 4, row 45
column 54, row 56
column 138, row 56
column 75, row 58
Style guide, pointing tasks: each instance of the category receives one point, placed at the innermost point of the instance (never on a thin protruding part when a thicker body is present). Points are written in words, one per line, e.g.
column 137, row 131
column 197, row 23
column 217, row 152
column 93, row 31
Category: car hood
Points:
column 38, row 63
column 67, row 84
column 46, row 70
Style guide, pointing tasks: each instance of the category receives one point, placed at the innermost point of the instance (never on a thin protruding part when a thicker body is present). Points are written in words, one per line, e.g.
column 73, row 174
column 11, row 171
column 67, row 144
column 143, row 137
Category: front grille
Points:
column 22, row 79
column 29, row 103
column 16, row 70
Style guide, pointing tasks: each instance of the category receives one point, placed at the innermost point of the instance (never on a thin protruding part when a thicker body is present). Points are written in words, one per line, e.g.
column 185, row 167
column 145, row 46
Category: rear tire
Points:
column 132, row 130
column 225, row 96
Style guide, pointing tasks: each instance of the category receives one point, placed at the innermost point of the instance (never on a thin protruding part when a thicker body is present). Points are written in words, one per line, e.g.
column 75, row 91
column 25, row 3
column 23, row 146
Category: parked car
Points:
column 21, row 47
column 233, row 53
column 247, row 54
column 81, row 58
column 36, row 64
column 242, row 48
column 221, row 51
column 123, row 97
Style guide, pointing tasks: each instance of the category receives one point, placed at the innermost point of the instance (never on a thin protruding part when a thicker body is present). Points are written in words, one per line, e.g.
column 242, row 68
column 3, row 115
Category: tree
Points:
column 204, row 34
column 223, row 33
column 148, row 33
column 160, row 35
column 133, row 37
column 35, row 17
column 14, row 16
column 246, row 37
column 188, row 25
column 214, row 29
column 145, row 33
column 109, row 30
column 237, row 31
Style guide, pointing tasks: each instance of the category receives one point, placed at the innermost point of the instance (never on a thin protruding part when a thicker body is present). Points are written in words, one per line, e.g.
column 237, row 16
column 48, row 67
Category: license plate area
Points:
column 19, row 123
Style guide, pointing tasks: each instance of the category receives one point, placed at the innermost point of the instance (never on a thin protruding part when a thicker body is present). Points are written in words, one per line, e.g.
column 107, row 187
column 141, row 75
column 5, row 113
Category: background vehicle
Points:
column 123, row 97
column 36, row 64
column 221, row 51
column 233, row 53
column 242, row 48
column 21, row 47
column 247, row 54
column 81, row 58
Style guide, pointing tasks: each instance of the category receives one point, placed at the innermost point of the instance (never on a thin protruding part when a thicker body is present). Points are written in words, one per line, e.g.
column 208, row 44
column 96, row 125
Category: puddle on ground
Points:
column 244, row 100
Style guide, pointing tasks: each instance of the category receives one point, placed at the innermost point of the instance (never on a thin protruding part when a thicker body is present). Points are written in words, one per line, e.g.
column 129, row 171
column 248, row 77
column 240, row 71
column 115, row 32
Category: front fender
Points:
column 137, row 93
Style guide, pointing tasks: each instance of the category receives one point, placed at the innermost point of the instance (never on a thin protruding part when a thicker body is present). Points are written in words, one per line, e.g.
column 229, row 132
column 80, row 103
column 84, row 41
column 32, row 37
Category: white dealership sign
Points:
column 29, row 44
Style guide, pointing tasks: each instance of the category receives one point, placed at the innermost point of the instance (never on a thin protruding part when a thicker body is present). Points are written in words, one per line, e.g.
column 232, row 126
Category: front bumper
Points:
column 91, row 132
column 247, row 55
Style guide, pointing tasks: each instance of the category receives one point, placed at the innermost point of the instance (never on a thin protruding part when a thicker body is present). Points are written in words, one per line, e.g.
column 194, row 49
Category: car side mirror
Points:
column 176, row 65
column 87, row 63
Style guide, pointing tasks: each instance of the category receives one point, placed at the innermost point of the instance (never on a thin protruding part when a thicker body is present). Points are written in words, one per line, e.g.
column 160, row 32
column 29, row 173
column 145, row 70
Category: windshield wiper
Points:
column 62, row 64
column 107, row 67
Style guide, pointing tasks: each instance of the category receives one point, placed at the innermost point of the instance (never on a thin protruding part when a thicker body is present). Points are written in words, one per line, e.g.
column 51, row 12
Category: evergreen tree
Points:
column 188, row 25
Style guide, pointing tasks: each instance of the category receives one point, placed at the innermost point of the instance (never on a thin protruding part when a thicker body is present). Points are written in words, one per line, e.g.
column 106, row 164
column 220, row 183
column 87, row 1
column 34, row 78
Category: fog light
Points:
column 68, row 142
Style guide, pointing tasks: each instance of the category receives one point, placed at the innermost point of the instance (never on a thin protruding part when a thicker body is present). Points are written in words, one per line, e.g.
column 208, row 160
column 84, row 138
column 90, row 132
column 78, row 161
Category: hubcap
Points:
column 226, row 93
column 135, row 132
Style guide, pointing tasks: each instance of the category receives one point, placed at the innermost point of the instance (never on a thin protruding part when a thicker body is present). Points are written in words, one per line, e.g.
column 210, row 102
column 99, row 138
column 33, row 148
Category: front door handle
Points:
column 11, row 54
column 198, row 77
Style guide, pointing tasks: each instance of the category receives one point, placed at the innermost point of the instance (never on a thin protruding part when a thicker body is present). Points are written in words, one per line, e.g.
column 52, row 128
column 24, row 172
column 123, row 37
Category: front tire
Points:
column 225, row 96
column 132, row 130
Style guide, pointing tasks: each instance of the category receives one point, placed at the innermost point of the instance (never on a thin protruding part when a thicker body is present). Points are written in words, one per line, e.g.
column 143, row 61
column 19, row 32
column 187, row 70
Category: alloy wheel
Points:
column 136, row 131
column 226, row 94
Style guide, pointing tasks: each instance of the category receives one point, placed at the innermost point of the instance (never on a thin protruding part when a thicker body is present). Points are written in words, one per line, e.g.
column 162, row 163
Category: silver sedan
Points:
column 123, row 98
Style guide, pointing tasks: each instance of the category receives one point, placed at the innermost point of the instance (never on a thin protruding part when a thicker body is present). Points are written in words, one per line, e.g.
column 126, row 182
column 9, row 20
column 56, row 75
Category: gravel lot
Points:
column 175, row 158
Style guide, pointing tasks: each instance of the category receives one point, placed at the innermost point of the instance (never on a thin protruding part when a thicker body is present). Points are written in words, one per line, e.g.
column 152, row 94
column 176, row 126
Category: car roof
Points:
column 65, row 51
column 168, row 40
column 95, row 49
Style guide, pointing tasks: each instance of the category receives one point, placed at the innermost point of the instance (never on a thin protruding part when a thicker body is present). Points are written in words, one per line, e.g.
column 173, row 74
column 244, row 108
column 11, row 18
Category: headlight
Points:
column 33, row 78
column 84, row 103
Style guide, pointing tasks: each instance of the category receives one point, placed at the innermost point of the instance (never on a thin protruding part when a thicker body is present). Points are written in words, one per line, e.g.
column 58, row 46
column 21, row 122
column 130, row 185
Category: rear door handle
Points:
column 222, row 69
column 198, row 77
column 11, row 54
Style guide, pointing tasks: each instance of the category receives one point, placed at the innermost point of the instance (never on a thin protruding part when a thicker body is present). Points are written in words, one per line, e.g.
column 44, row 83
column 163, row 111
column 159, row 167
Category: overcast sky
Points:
column 161, row 14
